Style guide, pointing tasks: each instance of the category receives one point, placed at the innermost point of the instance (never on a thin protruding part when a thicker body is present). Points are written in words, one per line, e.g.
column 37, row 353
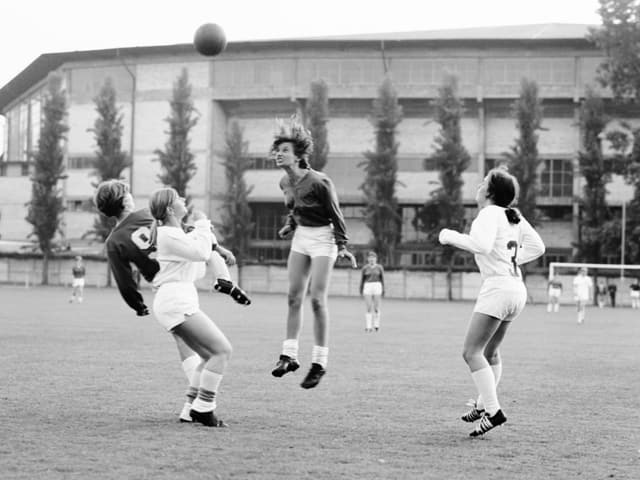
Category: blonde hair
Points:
column 159, row 202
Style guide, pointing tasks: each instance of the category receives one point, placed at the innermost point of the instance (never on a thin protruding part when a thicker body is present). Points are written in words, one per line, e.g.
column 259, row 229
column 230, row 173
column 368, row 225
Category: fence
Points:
column 408, row 284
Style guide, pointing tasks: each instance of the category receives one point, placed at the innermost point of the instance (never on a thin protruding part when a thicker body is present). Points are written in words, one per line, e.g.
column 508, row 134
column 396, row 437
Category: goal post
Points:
column 554, row 267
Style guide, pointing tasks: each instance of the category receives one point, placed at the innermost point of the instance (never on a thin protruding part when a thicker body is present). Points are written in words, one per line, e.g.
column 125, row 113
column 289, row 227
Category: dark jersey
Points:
column 555, row 284
column 635, row 287
column 313, row 202
column 78, row 272
column 130, row 243
column 372, row 273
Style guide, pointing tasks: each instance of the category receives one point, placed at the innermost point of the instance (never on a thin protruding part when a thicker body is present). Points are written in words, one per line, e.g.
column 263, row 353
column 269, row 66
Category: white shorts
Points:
column 635, row 293
column 173, row 301
column 555, row 292
column 77, row 282
column 501, row 297
column 372, row 288
column 315, row 241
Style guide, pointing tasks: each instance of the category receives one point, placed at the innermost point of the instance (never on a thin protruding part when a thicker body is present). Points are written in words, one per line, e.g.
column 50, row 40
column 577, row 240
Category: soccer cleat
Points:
column 207, row 419
column 473, row 414
column 284, row 365
column 487, row 423
column 228, row 288
column 316, row 372
column 240, row 296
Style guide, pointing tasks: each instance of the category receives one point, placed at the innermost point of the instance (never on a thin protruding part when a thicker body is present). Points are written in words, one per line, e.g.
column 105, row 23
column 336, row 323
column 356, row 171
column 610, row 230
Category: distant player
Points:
column 635, row 294
column 501, row 240
column 372, row 289
column 601, row 293
column 77, row 285
column 612, row 289
column 554, row 290
column 582, row 291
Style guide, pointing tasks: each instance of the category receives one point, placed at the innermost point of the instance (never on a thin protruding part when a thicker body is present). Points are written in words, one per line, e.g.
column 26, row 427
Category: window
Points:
column 268, row 219
column 261, row 163
column 79, row 163
column 556, row 178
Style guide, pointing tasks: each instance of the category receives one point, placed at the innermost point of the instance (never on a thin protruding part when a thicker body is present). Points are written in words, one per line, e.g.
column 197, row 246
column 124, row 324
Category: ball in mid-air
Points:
column 210, row 39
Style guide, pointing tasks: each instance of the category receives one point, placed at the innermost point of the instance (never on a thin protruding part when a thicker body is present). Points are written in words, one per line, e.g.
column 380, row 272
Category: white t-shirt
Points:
column 582, row 286
column 499, row 246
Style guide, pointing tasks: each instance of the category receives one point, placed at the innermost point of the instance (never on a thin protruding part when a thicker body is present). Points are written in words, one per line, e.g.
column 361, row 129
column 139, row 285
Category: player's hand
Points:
column 344, row 253
column 143, row 313
column 227, row 255
column 285, row 232
column 444, row 236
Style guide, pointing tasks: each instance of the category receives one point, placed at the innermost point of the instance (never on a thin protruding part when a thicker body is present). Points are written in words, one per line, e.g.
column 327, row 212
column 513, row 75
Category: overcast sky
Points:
column 30, row 28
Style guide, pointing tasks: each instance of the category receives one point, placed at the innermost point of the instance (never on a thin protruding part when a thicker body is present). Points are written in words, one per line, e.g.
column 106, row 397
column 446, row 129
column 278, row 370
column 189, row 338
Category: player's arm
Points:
column 532, row 245
column 382, row 278
column 362, row 280
column 195, row 246
column 327, row 192
column 123, row 274
column 480, row 239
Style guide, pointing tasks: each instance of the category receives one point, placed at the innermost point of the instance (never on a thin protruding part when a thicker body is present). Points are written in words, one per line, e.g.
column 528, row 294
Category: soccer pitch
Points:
column 92, row 391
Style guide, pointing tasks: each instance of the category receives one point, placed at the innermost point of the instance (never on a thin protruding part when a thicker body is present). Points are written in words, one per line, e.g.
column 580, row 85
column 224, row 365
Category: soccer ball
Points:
column 210, row 40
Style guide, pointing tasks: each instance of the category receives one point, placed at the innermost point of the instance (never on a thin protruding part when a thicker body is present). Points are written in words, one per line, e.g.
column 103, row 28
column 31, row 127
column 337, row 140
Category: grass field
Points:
column 92, row 391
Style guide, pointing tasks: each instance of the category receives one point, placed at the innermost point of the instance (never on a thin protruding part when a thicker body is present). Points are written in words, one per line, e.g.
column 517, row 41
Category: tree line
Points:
column 600, row 226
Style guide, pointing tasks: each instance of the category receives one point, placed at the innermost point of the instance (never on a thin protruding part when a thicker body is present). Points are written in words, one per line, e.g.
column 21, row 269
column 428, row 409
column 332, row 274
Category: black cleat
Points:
column 284, row 365
column 208, row 419
column 240, row 296
column 487, row 423
column 473, row 414
column 316, row 372
column 228, row 288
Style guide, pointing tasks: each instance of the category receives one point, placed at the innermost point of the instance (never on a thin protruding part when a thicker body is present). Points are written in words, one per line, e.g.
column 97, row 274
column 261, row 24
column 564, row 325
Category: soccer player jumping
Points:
column 501, row 239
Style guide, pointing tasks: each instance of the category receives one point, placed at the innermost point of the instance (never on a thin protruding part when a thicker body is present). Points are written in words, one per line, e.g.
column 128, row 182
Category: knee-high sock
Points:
column 485, row 382
column 367, row 321
column 219, row 267
column 497, row 373
column 376, row 319
column 209, row 383
column 190, row 365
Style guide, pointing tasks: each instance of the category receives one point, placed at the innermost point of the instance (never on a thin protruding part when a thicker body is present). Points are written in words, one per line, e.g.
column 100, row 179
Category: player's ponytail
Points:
column 160, row 200
column 512, row 215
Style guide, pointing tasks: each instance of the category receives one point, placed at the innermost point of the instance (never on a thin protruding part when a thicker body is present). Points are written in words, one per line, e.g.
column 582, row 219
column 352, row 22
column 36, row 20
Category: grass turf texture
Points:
column 92, row 391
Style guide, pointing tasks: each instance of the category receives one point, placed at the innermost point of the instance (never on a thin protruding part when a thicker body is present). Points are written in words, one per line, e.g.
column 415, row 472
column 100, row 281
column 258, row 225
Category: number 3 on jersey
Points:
column 514, row 259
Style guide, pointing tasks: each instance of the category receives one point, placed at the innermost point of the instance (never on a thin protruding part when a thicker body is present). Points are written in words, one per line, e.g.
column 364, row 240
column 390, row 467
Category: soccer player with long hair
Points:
column 316, row 226
column 501, row 240
column 182, row 258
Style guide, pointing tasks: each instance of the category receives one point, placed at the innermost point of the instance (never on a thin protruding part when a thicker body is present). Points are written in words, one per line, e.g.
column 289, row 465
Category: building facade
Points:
column 255, row 82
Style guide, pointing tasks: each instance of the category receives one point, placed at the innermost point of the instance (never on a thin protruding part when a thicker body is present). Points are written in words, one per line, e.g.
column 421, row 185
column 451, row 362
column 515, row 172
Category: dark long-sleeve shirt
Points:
column 313, row 202
column 130, row 242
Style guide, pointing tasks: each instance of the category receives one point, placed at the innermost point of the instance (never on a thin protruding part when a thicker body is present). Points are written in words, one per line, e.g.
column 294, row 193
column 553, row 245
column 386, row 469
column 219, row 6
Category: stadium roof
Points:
column 549, row 32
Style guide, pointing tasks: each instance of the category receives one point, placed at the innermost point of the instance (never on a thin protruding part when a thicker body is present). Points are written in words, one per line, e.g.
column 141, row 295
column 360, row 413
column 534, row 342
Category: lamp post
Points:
column 133, row 116
column 623, row 227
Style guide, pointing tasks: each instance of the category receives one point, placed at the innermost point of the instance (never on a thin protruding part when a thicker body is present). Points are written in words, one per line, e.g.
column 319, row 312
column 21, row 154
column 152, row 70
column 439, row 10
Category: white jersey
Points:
column 181, row 255
column 582, row 286
column 499, row 246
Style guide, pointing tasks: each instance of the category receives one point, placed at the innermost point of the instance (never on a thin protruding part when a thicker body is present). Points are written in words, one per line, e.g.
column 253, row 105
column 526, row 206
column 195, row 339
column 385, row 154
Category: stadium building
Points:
column 255, row 82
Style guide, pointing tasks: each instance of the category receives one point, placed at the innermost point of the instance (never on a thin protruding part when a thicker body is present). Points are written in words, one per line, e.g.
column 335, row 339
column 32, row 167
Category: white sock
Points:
column 367, row 319
column 376, row 319
column 320, row 355
column 497, row 374
column 209, row 383
column 556, row 307
column 190, row 365
column 486, row 385
column 290, row 348
column 548, row 307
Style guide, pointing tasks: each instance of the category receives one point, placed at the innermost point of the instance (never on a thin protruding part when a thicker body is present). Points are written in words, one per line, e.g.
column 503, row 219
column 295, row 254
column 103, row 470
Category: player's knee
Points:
column 295, row 300
column 318, row 303
column 468, row 354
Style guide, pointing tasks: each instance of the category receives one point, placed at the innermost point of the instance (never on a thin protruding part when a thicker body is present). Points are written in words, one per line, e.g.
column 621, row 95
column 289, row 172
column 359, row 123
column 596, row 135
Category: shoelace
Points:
column 473, row 414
